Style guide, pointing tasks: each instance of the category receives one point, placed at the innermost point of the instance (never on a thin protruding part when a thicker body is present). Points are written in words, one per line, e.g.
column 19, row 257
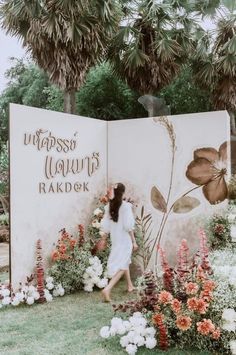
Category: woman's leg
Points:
column 130, row 286
column 107, row 290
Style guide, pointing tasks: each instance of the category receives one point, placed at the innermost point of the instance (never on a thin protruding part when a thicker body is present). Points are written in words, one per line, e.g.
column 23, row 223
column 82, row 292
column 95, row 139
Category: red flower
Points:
column 192, row 303
column 201, row 306
column 183, row 322
column 209, row 285
column 157, row 318
column 55, row 255
column 72, row 243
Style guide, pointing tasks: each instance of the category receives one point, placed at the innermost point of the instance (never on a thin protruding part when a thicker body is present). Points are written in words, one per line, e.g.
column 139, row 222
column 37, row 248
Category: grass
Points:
column 68, row 325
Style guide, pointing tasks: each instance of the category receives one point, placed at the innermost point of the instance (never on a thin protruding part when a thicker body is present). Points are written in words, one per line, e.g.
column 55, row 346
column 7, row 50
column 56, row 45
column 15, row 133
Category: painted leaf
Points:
column 185, row 204
column 158, row 200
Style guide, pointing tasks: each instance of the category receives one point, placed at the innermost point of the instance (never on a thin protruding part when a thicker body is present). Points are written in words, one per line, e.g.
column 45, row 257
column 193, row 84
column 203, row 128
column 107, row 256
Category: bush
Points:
column 4, row 172
column 218, row 230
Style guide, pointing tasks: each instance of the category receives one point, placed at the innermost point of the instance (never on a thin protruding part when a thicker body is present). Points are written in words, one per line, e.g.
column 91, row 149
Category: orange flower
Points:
column 176, row 305
column 192, row 303
column 191, row 288
column 165, row 297
column 216, row 334
column 205, row 327
column 208, row 169
column 157, row 318
column 201, row 306
column 55, row 255
column 209, row 285
column 183, row 322
column 200, row 274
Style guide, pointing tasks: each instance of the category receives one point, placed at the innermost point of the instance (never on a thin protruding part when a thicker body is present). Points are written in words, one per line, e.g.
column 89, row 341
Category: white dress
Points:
column 121, row 243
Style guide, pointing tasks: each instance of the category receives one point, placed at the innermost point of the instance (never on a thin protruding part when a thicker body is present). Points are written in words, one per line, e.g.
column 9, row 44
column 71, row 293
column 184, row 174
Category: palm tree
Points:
column 65, row 38
column 155, row 39
column 214, row 64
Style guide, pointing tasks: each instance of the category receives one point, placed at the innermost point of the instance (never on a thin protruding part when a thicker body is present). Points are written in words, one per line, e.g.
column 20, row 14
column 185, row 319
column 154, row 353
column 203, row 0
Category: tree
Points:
column 156, row 38
column 65, row 38
column 26, row 86
column 214, row 64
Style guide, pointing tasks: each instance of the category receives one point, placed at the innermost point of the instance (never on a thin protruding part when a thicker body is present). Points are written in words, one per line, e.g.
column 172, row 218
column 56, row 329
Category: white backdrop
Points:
column 136, row 152
column 40, row 215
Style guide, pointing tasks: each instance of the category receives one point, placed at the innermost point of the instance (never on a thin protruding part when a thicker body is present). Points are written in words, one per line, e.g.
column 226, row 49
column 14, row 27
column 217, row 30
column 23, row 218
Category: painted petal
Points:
column 223, row 151
column 216, row 190
column 200, row 171
column 158, row 200
column 210, row 154
column 185, row 204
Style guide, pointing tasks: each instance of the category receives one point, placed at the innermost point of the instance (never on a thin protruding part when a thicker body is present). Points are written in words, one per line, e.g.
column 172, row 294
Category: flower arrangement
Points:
column 134, row 333
column 28, row 294
column 69, row 260
column 183, row 305
column 93, row 275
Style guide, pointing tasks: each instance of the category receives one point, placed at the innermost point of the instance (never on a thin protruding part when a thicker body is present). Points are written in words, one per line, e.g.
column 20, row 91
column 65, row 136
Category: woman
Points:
column 119, row 221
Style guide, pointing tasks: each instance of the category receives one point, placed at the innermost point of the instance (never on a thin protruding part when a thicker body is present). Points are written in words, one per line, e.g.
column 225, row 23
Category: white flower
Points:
column 105, row 332
column 124, row 341
column 95, row 279
column 1, row 305
column 25, row 289
column 20, row 296
column 46, row 292
column 137, row 315
column 49, row 280
column 88, row 288
column 116, row 322
column 229, row 326
column 140, row 330
column 55, row 292
column 61, row 291
column 113, row 330
column 15, row 301
column 127, row 325
column 150, row 331
column 30, row 300
column 5, row 292
column 131, row 349
column 131, row 336
column 150, row 342
column 102, row 283
column 31, row 289
column 6, row 301
column 137, row 321
column 50, row 286
column 231, row 217
column 232, row 345
column 139, row 340
column 90, row 271
column 97, row 212
column 36, row 295
column 121, row 330
column 48, row 297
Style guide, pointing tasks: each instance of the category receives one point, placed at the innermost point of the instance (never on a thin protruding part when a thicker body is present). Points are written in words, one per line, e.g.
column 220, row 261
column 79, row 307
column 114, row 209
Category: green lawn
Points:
column 68, row 325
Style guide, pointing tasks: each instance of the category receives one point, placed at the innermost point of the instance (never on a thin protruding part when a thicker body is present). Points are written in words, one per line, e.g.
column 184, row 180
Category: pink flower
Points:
column 183, row 322
column 209, row 285
column 205, row 327
column 165, row 297
column 176, row 305
column 216, row 334
column 192, row 303
column 201, row 306
column 191, row 288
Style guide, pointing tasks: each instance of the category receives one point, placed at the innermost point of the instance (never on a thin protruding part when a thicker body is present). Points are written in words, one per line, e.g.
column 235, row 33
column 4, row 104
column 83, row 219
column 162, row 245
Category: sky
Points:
column 11, row 47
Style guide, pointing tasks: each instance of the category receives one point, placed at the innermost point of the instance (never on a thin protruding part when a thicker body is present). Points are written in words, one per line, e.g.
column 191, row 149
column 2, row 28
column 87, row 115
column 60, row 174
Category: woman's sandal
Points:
column 105, row 296
column 132, row 290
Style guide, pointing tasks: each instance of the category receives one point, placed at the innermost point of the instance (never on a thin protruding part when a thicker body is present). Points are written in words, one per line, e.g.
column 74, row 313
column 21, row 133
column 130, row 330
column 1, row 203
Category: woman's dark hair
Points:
column 116, row 202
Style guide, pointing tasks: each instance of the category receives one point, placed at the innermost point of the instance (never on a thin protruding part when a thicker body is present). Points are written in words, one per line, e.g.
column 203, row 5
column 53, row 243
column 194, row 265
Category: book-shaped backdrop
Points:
column 61, row 164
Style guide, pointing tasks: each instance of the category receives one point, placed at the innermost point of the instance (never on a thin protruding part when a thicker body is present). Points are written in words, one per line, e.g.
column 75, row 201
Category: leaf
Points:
column 185, row 204
column 158, row 200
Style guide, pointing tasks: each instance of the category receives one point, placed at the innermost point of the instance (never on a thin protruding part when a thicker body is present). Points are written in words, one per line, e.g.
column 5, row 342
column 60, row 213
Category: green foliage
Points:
column 54, row 98
column 4, row 166
column 106, row 97
column 4, row 219
column 184, row 95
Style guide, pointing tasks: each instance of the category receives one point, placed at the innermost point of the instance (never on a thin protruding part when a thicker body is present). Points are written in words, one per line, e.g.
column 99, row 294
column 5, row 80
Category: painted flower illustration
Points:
column 208, row 169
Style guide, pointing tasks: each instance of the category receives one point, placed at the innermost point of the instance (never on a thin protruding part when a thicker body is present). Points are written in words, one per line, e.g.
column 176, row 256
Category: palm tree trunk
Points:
column 232, row 123
column 69, row 101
